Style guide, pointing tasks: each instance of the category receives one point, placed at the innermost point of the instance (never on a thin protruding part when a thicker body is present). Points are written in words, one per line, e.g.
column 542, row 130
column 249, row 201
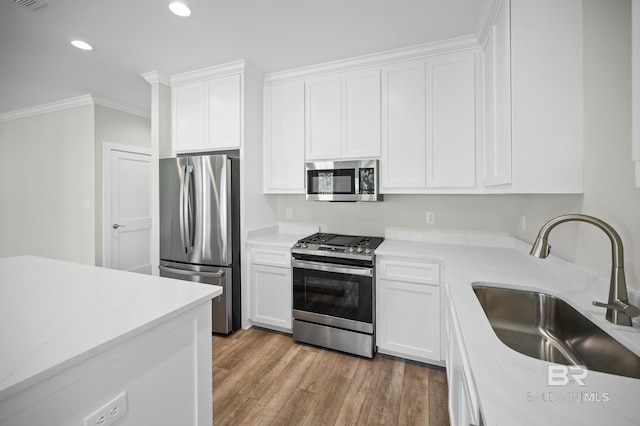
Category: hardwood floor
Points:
column 262, row 377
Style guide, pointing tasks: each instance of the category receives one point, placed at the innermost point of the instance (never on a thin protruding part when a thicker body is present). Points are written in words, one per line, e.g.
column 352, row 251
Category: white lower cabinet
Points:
column 270, row 281
column 464, row 407
column 408, row 309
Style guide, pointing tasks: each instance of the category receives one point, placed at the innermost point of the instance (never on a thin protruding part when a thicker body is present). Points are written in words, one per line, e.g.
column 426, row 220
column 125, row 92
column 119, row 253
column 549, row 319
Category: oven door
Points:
column 336, row 295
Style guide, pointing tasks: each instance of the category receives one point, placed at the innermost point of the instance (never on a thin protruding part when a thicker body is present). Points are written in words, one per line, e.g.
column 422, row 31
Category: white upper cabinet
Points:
column 496, row 70
column 403, row 162
column 541, row 99
column 323, row 118
column 361, row 113
column 284, row 133
column 415, row 109
column 223, row 112
column 206, row 114
column 451, row 121
column 429, row 126
column 343, row 115
column 189, row 116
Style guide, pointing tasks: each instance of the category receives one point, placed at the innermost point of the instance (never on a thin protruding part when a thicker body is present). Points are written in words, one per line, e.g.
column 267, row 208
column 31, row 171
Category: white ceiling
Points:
column 131, row 37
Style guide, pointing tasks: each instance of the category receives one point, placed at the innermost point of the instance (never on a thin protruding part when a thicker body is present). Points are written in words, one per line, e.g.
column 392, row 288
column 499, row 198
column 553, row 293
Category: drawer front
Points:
column 271, row 257
column 416, row 272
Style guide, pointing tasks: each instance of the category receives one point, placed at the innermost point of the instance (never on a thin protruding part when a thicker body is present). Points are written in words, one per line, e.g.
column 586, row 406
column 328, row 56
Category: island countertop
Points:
column 55, row 314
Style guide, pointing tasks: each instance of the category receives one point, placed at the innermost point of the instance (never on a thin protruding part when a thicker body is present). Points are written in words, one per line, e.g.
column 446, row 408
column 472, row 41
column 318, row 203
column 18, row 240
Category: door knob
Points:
column 116, row 226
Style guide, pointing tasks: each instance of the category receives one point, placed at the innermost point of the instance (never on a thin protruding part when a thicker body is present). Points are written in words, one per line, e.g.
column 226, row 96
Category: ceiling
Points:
column 38, row 65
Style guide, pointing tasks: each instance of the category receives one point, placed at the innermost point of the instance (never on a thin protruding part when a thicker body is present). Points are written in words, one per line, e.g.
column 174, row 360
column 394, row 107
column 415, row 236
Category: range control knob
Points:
column 367, row 250
column 352, row 249
column 297, row 244
column 359, row 250
column 304, row 245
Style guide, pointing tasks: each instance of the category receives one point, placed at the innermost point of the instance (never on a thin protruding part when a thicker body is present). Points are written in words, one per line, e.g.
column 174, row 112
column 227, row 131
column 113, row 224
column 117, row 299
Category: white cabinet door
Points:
column 323, row 118
column 403, row 163
column 409, row 319
column 361, row 113
column 496, row 89
column 429, row 122
column 206, row 115
column 451, row 120
column 284, row 138
column 189, row 103
column 533, row 97
column 343, row 115
column 464, row 407
column 223, row 112
column 547, row 95
column 408, row 309
column 271, row 296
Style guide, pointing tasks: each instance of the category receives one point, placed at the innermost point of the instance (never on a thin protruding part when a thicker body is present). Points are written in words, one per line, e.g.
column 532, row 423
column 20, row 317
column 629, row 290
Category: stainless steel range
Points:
column 334, row 292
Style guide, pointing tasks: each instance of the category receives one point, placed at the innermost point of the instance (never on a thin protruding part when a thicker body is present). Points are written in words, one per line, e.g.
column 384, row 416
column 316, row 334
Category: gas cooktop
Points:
column 336, row 245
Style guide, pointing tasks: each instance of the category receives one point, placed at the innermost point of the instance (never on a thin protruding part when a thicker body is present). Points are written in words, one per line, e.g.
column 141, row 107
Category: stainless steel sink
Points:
column 547, row 328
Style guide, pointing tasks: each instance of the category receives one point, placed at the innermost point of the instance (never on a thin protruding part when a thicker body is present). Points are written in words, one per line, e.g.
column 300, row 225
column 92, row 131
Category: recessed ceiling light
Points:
column 82, row 45
column 180, row 9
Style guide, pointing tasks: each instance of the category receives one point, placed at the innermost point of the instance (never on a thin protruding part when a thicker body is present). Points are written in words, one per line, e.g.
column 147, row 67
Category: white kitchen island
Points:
column 74, row 337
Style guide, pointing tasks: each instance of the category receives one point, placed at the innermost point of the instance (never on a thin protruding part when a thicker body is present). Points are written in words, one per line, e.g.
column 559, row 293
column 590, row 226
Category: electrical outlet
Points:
column 289, row 213
column 431, row 218
column 109, row 413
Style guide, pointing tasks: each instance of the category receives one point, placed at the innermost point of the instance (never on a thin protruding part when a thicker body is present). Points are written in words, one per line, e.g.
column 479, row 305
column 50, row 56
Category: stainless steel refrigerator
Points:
column 200, row 228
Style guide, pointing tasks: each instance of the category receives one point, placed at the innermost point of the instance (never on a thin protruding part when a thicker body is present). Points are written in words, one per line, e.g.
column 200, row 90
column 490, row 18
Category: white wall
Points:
column 50, row 171
column 457, row 213
column 160, row 148
column 46, row 176
column 610, row 191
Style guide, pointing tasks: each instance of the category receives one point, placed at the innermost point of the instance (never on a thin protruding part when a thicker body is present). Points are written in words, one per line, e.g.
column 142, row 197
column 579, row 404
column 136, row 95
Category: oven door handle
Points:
column 319, row 266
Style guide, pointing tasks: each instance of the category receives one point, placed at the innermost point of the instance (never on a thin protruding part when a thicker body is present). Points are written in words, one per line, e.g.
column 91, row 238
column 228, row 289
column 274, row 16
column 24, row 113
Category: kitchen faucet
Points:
column 619, row 311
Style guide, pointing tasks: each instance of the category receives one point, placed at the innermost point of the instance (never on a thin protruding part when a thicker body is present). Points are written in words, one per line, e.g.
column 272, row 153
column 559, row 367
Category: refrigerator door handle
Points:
column 185, row 215
column 218, row 274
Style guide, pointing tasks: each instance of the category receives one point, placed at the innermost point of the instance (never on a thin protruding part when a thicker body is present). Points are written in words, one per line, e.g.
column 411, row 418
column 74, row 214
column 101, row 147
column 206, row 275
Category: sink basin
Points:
column 547, row 328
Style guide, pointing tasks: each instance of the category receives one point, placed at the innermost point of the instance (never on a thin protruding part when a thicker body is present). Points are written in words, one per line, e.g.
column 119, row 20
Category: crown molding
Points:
column 488, row 16
column 72, row 103
column 46, row 108
column 120, row 106
column 376, row 59
column 153, row 77
column 230, row 68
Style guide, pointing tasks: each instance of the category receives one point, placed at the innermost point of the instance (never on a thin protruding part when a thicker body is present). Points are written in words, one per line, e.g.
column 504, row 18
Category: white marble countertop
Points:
column 281, row 236
column 54, row 314
column 512, row 387
column 277, row 240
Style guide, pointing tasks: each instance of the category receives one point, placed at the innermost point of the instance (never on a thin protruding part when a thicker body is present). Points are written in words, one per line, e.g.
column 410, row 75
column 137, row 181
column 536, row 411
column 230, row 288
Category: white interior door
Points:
column 127, row 210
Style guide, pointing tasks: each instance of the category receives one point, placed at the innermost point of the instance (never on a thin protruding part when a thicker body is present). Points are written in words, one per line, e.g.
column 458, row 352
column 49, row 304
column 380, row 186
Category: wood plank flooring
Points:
column 262, row 377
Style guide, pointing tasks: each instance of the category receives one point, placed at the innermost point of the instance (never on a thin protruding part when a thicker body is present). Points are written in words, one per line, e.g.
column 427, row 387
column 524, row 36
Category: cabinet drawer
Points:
column 416, row 272
column 271, row 257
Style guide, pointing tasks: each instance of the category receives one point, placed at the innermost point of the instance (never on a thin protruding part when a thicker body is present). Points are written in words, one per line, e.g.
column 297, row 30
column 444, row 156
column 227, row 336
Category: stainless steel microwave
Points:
column 343, row 181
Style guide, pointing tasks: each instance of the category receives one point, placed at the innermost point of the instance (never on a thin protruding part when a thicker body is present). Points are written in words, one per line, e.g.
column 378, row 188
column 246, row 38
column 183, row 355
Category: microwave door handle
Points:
column 319, row 266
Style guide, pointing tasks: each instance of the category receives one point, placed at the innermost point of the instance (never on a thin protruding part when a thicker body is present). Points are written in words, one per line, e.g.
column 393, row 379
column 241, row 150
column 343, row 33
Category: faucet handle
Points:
column 620, row 306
